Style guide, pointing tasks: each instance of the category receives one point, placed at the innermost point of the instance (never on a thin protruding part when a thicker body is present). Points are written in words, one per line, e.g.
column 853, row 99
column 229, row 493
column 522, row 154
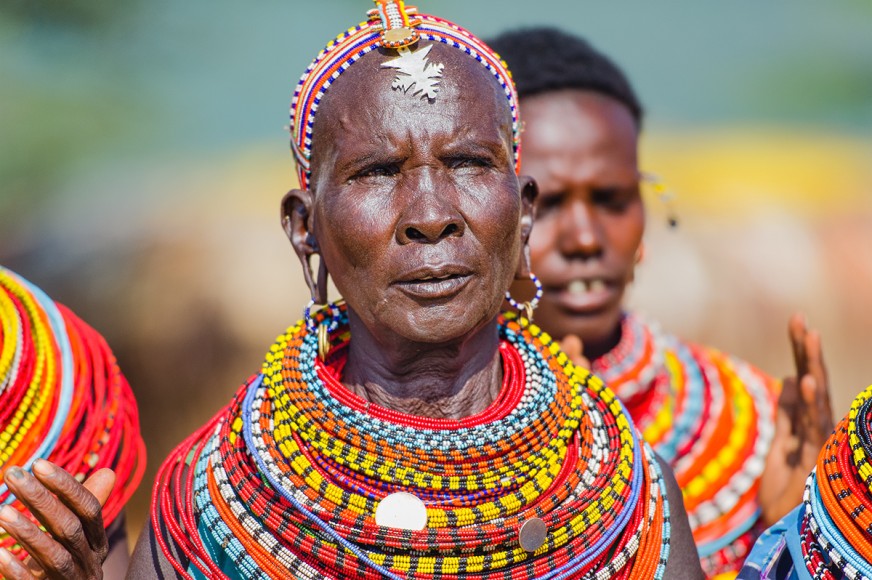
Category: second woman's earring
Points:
column 640, row 254
column 530, row 305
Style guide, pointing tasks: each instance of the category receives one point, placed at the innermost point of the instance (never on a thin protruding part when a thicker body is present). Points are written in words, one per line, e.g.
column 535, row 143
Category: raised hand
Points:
column 74, row 544
column 804, row 421
column 574, row 349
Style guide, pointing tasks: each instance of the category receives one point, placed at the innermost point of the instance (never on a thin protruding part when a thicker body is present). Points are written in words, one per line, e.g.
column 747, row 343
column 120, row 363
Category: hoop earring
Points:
column 529, row 306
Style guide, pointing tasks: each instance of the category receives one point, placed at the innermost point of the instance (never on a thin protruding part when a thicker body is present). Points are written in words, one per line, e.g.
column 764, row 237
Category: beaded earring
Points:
column 323, row 327
column 530, row 305
column 665, row 196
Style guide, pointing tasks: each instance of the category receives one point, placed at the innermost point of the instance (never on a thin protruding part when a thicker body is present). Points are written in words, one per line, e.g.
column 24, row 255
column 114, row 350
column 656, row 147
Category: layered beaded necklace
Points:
column 286, row 480
column 712, row 418
column 835, row 527
column 62, row 397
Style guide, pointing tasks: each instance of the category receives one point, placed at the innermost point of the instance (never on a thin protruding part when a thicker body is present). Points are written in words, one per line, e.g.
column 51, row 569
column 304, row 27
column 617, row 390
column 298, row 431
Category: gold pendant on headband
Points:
column 398, row 23
column 415, row 74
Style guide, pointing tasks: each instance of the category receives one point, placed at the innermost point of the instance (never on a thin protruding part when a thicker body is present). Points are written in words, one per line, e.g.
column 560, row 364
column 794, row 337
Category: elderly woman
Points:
column 740, row 453
column 413, row 432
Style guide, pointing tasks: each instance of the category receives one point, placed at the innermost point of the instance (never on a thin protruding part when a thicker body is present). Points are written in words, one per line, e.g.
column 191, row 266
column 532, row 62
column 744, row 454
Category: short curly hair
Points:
column 545, row 59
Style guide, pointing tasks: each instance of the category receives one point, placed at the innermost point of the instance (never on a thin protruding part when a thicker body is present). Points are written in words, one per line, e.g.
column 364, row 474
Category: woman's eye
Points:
column 549, row 202
column 468, row 162
column 382, row 170
column 612, row 198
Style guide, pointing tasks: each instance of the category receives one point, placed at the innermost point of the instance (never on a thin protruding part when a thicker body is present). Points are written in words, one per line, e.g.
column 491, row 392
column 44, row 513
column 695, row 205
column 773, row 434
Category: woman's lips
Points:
column 434, row 287
column 584, row 296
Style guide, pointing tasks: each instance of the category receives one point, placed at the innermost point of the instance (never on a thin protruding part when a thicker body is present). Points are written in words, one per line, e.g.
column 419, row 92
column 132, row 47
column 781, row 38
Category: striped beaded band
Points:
column 836, row 526
column 356, row 42
column 62, row 397
column 708, row 415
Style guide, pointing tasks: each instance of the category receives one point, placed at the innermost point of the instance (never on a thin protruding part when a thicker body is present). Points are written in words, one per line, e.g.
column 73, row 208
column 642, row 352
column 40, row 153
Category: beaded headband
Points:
column 391, row 25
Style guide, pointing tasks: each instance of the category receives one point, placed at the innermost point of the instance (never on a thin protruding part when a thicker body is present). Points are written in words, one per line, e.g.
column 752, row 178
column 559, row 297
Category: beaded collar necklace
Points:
column 286, row 480
column 62, row 397
column 711, row 417
column 835, row 527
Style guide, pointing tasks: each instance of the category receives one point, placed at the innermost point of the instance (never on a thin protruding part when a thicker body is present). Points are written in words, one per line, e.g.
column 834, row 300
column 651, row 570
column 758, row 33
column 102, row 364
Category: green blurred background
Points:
column 143, row 156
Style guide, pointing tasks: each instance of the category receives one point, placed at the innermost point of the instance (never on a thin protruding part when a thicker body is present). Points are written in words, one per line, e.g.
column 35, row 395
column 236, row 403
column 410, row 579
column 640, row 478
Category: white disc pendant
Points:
column 402, row 511
column 532, row 534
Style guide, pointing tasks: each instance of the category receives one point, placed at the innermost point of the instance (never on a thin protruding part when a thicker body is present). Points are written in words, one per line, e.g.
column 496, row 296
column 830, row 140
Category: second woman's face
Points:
column 580, row 147
column 417, row 210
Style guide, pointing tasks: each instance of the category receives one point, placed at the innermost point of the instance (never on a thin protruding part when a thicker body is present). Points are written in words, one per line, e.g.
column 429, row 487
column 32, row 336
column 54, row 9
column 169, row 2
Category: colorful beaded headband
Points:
column 391, row 25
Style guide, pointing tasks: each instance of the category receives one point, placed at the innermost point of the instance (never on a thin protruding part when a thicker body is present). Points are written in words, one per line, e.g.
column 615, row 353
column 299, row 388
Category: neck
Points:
column 442, row 381
column 600, row 346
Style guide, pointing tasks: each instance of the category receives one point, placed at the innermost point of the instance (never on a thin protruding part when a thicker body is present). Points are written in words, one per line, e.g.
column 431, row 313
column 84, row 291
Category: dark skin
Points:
column 440, row 205
column 416, row 212
column 70, row 511
column 581, row 147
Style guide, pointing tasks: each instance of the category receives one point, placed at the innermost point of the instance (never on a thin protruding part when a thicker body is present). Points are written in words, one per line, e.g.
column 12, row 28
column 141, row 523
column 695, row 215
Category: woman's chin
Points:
column 440, row 323
column 595, row 327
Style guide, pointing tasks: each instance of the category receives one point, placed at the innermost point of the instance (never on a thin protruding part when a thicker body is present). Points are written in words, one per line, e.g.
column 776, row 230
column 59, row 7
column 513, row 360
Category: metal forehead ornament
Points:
column 416, row 75
column 398, row 23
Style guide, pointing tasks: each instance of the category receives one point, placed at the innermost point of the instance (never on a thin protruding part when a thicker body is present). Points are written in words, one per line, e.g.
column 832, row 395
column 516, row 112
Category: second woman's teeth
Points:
column 585, row 286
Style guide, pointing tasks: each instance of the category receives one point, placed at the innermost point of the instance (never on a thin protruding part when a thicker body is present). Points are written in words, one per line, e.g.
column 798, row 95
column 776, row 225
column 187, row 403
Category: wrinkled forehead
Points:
column 435, row 89
column 415, row 73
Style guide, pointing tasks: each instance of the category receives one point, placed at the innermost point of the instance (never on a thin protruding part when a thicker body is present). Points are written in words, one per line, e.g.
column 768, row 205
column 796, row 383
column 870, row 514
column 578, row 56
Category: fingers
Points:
column 12, row 568
column 797, row 331
column 574, row 349
column 49, row 554
column 100, row 484
column 818, row 370
column 818, row 417
column 790, row 401
column 84, row 501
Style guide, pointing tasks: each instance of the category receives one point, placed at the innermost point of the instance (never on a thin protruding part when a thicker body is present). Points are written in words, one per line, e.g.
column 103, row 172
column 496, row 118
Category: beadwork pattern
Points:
column 356, row 42
column 829, row 536
column 62, row 397
column 711, row 417
column 836, row 528
column 284, row 482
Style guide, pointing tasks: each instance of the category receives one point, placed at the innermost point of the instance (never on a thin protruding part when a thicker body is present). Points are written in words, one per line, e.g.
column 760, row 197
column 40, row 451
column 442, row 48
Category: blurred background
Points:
column 143, row 157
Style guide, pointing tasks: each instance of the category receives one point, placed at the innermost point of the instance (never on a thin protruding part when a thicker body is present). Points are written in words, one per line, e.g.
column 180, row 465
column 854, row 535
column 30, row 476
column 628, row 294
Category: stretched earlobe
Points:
column 298, row 225
column 529, row 193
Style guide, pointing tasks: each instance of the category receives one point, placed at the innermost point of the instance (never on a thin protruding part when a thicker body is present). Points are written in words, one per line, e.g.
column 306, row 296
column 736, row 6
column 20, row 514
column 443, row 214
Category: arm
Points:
column 149, row 562
column 683, row 563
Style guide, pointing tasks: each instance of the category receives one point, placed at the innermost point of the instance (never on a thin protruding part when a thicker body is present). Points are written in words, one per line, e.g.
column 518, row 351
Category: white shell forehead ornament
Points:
column 415, row 74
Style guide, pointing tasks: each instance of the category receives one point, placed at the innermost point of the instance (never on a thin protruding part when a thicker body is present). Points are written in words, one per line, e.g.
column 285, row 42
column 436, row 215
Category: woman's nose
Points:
column 429, row 223
column 429, row 215
column 580, row 232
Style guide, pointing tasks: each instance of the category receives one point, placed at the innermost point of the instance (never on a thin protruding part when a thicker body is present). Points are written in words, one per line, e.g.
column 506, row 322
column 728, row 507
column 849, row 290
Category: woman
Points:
column 414, row 432
column 65, row 408
column 741, row 464
column 830, row 534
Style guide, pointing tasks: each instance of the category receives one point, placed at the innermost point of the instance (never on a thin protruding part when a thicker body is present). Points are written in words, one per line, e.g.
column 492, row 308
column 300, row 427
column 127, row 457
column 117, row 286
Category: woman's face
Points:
column 580, row 147
column 417, row 211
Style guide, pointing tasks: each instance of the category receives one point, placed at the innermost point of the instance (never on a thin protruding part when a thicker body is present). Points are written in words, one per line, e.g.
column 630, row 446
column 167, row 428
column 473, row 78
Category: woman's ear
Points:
column 298, row 226
column 529, row 192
